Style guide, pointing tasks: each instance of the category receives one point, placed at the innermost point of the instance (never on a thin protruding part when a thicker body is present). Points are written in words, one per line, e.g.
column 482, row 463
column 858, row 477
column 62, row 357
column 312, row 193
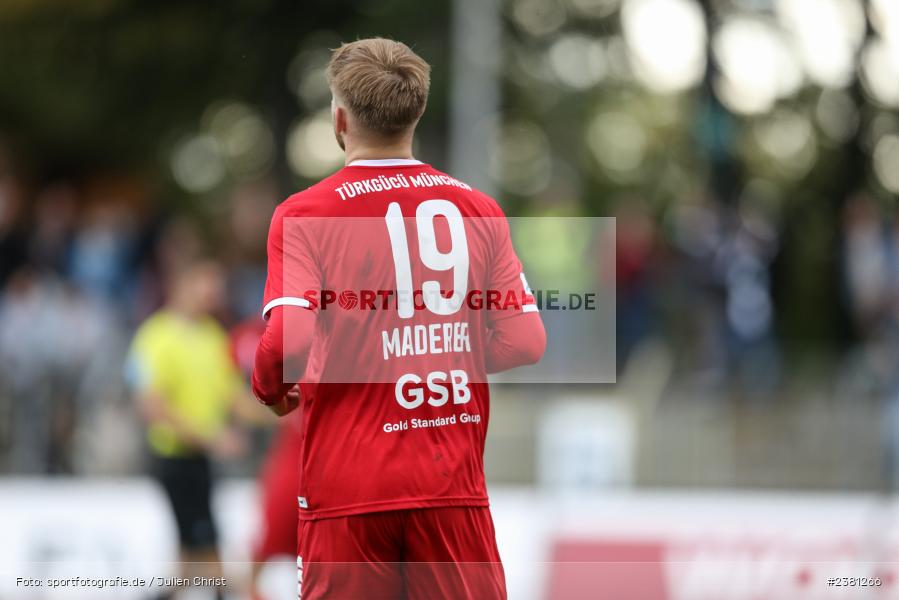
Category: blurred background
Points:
column 748, row 149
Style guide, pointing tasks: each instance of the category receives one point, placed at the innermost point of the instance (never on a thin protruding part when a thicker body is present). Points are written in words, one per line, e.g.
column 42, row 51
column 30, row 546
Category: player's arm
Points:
column 515, row 342
column 515, row 333
column 276, row 350
column 293, row 269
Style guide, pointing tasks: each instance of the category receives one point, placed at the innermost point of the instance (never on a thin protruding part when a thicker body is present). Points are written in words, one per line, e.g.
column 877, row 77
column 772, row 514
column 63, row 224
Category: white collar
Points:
column 385, row 162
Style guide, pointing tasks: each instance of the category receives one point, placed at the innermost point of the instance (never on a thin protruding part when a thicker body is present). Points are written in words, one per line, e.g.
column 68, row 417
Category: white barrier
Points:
column 641, row 545
column 104, row 529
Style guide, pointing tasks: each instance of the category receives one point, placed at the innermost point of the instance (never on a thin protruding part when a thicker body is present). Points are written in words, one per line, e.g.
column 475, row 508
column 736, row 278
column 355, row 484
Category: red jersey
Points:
column 406, row 269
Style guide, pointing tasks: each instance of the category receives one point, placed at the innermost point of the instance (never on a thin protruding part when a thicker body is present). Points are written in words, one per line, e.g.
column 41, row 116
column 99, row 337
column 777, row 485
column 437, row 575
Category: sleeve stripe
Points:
column 285, row 301
column 529, row 308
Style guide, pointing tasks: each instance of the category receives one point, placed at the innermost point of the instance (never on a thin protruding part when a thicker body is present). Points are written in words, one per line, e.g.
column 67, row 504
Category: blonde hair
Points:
column 382, row 82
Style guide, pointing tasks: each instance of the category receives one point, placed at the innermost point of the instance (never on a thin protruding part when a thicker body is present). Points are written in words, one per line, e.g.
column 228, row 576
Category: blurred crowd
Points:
column 82, row 262
column 702, row 280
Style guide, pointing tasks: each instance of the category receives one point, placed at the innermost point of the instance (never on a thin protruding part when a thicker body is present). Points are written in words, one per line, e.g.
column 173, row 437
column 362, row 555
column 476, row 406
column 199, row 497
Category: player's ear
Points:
column 339, row 120
column 338, row 116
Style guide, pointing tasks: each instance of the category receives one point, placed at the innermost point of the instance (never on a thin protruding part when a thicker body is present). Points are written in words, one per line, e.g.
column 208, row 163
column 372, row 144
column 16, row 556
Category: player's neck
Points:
column 401, row 148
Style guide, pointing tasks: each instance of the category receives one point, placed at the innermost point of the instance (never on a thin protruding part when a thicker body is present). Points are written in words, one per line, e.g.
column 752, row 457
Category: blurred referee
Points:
column 187, row 387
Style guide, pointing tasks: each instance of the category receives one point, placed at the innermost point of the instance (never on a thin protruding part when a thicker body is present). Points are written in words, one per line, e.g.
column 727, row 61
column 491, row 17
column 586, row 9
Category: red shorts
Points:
column 422, row 553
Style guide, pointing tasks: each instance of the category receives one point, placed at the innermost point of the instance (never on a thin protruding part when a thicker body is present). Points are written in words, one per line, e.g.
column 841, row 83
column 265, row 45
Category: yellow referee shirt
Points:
column 189, row 365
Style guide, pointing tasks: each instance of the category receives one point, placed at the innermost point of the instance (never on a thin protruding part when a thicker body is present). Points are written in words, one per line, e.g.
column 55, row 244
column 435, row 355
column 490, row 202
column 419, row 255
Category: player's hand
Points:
column 287, row 404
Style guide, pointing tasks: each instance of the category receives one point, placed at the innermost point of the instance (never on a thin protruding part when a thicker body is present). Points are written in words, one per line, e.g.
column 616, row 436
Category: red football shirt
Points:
column 406, row 269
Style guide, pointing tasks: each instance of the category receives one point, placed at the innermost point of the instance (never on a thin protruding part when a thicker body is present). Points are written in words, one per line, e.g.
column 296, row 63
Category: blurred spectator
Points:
column 869, row 264
column 695, row 295
column 50, row 336
column 188, row 387
column 744, row 262
column 100, row 255
column 635, row 243
column 12, row 235
column 55, row 211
